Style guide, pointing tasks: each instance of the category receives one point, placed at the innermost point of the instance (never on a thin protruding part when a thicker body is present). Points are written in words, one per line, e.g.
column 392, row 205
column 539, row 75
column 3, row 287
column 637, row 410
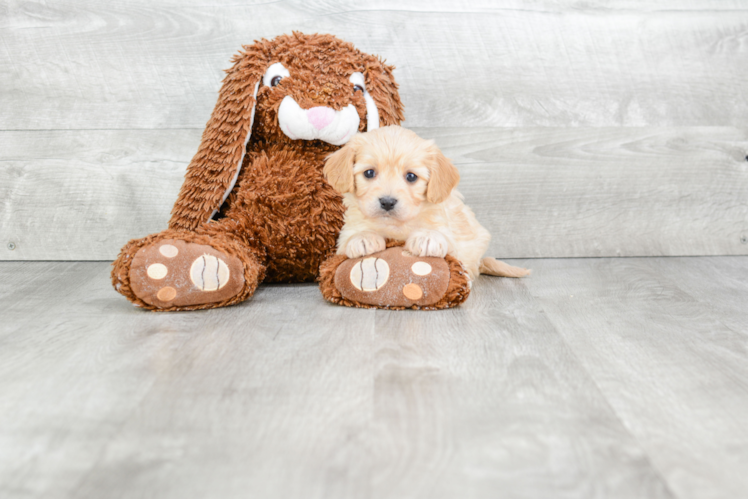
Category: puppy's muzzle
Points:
column 387, row 203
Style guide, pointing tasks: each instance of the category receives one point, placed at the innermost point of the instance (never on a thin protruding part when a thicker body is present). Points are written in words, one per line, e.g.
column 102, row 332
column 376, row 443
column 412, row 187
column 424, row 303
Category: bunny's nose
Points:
column 320, row 117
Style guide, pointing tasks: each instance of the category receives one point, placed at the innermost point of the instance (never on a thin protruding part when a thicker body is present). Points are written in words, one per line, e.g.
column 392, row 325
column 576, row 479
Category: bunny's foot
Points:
column 184, row 272
column 172, row 273
column 394, row 279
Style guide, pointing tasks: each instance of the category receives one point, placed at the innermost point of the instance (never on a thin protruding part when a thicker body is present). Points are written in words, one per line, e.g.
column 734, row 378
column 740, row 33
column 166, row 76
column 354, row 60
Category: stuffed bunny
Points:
column 254, row 205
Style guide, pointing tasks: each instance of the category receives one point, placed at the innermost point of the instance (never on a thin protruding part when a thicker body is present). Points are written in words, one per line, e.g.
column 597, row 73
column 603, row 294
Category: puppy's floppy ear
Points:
column 213, row 171
column 443, row 178
column 338, row 169
column 380, row 84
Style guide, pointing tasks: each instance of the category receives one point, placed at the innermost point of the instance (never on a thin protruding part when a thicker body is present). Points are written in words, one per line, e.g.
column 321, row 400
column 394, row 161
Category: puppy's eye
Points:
column 275, row 81
column 411, row 177
column 370, row 174
column 358, row 88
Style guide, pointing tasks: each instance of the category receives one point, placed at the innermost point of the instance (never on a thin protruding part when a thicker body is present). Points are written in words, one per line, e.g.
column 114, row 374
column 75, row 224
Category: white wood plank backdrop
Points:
column 81, row 64
column 542, row 191
column 621, row 124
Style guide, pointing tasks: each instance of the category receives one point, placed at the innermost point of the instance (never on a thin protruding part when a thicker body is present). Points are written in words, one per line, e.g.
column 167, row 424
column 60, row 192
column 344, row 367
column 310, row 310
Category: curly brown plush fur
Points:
column 281, row 218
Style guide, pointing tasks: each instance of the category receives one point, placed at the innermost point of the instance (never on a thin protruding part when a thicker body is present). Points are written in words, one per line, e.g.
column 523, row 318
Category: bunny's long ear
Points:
column 213, row 171
column 381, row 86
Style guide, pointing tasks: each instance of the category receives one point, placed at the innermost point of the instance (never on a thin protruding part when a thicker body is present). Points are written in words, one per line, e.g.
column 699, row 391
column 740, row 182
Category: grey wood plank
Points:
column 55, row 421
column 103, row 357
column 286, row 395
column 666, row 362
column 81, row 64
column 488, row 401
column 719, row 282
column 541, row 192
column 69, row 381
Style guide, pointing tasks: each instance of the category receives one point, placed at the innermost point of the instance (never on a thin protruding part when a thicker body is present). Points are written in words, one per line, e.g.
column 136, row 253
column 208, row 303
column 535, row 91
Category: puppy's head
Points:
column 392, row 173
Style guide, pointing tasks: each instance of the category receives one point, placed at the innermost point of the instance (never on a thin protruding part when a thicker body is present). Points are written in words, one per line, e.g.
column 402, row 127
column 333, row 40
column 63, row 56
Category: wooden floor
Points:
column 593, row 377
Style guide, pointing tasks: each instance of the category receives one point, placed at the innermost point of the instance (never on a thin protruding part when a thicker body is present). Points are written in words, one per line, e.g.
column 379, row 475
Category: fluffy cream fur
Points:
column 378, row 167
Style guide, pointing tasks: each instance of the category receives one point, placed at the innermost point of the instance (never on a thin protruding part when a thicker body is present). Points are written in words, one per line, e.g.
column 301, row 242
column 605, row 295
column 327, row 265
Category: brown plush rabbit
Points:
column 254, row 205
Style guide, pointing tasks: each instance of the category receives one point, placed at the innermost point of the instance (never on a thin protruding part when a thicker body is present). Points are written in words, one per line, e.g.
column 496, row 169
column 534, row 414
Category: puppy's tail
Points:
column 494, row 267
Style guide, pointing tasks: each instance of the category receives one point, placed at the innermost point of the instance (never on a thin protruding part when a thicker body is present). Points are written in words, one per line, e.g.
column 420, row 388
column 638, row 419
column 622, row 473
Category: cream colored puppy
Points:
column 396, row 185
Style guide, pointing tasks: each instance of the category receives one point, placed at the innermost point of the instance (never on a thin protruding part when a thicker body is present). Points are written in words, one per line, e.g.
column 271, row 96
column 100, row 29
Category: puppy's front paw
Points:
column 427, row 244
column 364, row 244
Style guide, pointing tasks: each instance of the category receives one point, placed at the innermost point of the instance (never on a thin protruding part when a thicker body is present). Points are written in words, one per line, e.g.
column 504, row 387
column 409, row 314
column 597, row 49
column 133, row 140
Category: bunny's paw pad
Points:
column 177, row 273
column 393, row 278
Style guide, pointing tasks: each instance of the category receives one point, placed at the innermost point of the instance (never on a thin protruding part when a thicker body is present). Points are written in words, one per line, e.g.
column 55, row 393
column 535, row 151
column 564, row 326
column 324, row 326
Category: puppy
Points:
column 396, row 185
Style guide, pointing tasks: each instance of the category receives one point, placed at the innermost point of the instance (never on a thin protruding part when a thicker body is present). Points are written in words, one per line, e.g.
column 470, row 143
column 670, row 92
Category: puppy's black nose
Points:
column 387, row 203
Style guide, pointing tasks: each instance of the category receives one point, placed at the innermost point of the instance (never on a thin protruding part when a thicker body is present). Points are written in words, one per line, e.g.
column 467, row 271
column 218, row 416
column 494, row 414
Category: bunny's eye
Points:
column 411, row 177
column 370, row 174
column 274, row 74
column 357, row 79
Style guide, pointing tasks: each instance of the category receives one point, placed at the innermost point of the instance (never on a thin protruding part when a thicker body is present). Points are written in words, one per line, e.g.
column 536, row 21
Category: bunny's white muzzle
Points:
column 321, row 122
